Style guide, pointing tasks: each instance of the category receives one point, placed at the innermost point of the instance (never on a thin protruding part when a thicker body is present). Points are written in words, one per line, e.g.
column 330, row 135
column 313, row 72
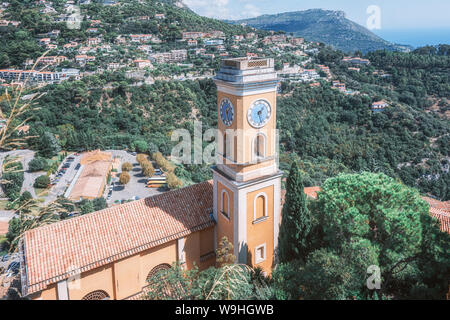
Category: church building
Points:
column 110, row 254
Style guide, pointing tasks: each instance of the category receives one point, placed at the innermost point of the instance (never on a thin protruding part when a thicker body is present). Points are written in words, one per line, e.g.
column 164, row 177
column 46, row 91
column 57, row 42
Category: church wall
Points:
column 96, row 279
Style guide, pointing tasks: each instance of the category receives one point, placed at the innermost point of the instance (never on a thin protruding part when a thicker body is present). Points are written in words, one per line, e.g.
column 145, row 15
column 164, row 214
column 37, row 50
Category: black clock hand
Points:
column 259, row 115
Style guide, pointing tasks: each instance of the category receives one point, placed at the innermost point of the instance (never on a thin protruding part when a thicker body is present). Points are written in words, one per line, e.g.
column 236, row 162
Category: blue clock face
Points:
column 259, row 113
column 226, row 112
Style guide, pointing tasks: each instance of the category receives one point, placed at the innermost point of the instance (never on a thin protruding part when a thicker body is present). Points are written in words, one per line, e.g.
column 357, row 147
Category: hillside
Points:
column 329, row 27
column 115, row 102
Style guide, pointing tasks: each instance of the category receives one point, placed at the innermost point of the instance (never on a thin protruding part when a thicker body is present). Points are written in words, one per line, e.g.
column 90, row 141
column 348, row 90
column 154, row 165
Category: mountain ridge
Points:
column 328, row 26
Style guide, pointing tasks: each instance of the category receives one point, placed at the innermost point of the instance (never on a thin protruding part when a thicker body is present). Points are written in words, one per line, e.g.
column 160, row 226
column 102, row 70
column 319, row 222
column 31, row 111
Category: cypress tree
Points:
column 296, row 221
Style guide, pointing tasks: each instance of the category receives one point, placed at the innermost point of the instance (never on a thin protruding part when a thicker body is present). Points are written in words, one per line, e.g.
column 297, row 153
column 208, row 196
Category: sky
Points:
column 394, row 14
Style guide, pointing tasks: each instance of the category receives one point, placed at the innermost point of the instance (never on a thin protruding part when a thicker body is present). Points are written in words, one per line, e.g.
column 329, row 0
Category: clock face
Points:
column 259, row 113
column 226, row 112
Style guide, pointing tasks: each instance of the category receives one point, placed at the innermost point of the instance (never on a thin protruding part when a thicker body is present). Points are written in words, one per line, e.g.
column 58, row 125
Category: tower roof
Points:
column 247, row 63
column 247, row 74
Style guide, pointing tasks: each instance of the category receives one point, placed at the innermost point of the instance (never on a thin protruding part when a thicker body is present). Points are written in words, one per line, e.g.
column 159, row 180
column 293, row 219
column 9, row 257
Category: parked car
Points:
column 5, row 257
column 77, row 166
column 13, row 267
column 158, row 172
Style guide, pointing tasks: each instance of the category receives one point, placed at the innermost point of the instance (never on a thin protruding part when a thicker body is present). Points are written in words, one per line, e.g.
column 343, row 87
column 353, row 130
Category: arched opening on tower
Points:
column 259, row 146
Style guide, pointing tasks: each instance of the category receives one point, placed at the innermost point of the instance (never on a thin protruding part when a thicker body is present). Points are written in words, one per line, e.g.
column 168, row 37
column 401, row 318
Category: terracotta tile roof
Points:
column 441, row 205
column 311, row 192
column 443, row 217
column 441, row 211
column 101, row 237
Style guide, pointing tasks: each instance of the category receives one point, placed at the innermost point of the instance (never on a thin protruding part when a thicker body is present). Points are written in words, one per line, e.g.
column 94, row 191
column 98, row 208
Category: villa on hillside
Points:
column 379, row 106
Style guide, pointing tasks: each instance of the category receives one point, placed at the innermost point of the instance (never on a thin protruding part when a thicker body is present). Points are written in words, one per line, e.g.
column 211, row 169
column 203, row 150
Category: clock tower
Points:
column 247, row 181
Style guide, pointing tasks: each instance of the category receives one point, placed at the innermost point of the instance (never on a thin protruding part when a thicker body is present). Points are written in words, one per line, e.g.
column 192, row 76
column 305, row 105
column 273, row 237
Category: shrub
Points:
column 25, row 197
column 140, row 146
column 172, row 181
column 147, row 169
column 37, row 164
column 99, row 204
column 127, row 166
column 163, row 162
column 141, row 157
column 124, row 178
column 12, row 179
column 42, row 181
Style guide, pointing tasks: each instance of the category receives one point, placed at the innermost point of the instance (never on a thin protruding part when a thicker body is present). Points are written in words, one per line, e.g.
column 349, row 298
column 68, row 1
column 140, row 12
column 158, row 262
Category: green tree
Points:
column 42, row 182
column 37, row 164
column 49, row 145
column 86, row 206
column 140, row 146
column 386, row 220
column 99, row 204
column 25, row 197
column 296, row 223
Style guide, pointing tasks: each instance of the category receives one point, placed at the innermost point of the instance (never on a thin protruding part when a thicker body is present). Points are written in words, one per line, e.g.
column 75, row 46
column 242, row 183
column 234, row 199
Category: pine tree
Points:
column 296, row 221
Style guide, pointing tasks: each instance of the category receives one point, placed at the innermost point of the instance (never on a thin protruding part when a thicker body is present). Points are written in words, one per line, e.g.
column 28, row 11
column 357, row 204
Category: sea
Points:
column 415, row 37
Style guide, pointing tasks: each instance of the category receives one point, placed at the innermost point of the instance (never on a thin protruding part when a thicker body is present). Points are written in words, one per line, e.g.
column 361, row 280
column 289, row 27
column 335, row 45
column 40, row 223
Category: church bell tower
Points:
column 247, row 181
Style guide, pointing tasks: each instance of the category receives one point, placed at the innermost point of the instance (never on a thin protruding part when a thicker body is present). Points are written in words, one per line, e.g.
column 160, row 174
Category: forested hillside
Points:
column 18, row 43
column 328, row 131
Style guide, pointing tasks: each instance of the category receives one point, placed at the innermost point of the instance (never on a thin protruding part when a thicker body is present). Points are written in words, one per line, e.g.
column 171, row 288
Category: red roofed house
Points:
column 143, row 64
column 379, row 105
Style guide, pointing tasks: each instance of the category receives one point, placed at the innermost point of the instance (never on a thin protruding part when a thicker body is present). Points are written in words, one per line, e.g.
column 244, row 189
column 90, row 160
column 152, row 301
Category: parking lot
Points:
column 136, row 188
column 64, row 177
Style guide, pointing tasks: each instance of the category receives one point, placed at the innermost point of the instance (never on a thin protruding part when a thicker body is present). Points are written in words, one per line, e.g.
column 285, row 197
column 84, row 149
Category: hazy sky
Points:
column 395, row 14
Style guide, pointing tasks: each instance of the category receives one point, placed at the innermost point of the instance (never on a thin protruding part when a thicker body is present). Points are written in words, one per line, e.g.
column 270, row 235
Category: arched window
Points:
column 155, row 270
column 260, row 207
column 259, row 146
column 96, row 295
column 225, row 204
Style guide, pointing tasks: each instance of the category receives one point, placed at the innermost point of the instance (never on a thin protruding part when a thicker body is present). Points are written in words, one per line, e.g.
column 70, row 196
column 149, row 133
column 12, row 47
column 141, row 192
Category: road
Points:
column 60, row 187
